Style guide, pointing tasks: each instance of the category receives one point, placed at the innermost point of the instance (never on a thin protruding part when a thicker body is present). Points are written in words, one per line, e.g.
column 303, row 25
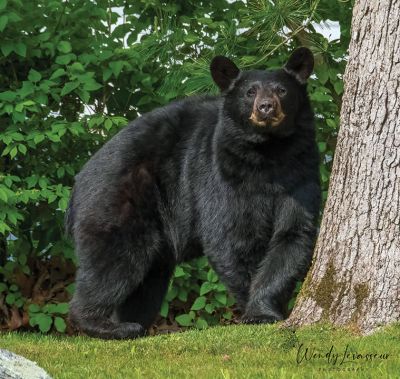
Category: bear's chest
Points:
column 239, row 214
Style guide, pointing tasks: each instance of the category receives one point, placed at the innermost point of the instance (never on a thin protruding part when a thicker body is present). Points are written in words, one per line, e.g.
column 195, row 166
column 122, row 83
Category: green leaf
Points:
column 34, row 76
column 78, row 68
column 61, row 308
column 44, row 321
column 3, row 22
column 221, row 297
column 71, row 288
column 106, row 74
column 338, row 85
column 43, row 183
column 183, row 294
column 8, row 96
column 9, row 266
column 191, row 38
column 108, row 125
column 331, row 123
column 322, row 147
column 3, row 195
column 60, row 172
column 105, row 54
column 34, row 308
column 69, row 87
column 4, row 228
column 84, row 96
column 6, row 150
column 32, row 320
column 56, row 74
column 12, row 217
column 28, row 103
column 8, row 108
column 212, row 276
column 44, row 36
column 184, row 320
column 19, row 107
column 63, row 203
column 10, row 299
column 41, row 98
column 164, row 309
column 20, row 49
column 179, row 272
column 27, row 89
column 320, row 97
column 3, row 4
column 52, row 197
column 38, row 138
column 199, row 303
column 22, row 148
column 22, row 259
column 60, row 325
column 13, row 288
column 206, row 287
column 31, row 181
column 324, row 174
column 3, row 287
column 13, row 152
column 322, row 74
column 7, row 48
column 92, row 86
column 64, row 47
column 65, row 59
column 231, row 301
column 116, row 67
column 172, row 293
column 209, row 308
column 201, row 323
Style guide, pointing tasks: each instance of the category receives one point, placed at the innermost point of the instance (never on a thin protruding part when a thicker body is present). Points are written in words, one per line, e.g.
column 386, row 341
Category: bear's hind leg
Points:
column 94, row 301
column 144, row 303
column 110, row 269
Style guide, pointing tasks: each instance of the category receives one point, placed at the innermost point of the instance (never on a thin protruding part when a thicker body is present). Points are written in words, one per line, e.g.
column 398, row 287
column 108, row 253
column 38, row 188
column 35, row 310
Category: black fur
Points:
column 198, row 177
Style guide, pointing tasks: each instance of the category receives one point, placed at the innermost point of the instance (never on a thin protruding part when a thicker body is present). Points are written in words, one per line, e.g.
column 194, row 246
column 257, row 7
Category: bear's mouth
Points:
column 267, row 121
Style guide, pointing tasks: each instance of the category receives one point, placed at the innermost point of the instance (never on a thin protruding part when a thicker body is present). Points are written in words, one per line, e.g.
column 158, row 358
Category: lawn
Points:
column 240, row 351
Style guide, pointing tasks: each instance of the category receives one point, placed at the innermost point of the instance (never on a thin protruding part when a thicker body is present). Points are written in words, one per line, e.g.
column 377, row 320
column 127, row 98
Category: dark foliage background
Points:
column 73, row 72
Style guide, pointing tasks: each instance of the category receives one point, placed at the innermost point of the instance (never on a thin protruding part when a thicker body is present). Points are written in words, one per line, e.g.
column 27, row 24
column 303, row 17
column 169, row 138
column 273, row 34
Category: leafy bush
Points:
column 197, row 296
column 72, row 74
column 44, row 317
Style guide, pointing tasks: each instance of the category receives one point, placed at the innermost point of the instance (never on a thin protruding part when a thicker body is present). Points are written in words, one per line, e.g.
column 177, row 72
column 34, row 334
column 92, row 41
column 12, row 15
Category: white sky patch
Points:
column 328, row 28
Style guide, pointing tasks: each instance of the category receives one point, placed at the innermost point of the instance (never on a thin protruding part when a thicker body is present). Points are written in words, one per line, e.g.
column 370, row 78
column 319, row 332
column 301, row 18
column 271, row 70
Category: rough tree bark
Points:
column 355, row 276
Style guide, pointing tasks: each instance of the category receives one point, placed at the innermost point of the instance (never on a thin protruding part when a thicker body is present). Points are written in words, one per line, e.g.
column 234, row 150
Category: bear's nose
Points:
column 266, row 107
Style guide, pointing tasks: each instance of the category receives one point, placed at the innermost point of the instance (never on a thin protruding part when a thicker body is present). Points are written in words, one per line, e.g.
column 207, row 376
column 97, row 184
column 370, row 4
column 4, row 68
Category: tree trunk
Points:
column 355, row 276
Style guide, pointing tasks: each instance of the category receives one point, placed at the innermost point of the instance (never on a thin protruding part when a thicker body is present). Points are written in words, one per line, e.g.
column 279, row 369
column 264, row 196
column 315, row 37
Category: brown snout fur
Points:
column 275, row 121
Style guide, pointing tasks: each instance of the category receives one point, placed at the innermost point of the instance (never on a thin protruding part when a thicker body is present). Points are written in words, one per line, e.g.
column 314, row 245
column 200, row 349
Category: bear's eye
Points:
column 281, row 91
column 251, row 92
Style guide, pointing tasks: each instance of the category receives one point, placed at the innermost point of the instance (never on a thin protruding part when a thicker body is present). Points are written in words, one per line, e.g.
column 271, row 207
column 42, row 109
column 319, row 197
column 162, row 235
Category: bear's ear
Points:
column 223, row 71
column 300, row 64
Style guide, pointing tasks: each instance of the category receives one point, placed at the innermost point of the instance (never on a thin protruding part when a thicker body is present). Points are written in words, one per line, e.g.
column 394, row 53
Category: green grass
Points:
column 223, row 352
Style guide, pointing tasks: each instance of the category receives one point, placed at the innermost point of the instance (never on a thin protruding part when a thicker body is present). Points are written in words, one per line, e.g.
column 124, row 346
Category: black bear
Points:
column 234, row 177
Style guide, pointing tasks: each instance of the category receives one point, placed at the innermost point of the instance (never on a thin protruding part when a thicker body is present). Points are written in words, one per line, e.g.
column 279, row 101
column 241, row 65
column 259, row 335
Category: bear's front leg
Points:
column 287, row 260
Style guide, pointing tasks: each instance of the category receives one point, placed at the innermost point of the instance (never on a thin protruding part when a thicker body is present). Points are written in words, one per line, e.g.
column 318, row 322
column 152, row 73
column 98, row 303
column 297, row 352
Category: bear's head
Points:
column 265, row 101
